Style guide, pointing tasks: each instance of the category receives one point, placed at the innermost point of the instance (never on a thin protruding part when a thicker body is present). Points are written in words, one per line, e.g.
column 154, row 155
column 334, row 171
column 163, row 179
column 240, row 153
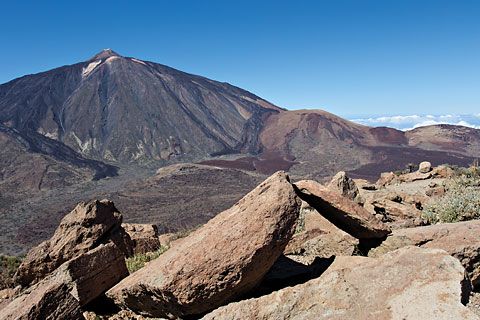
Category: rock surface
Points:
column 344, row 185
column 342, row 212
column 414, row 176
column 396, row 213
column 460, row 239
column 319, row 238
column 222, row 260
column 425, row 167
column 385, row 178
column 94, row 272
column 49, row 300
column 88, row 225
column 403, row 284
column 144, row 237
column 74, row 284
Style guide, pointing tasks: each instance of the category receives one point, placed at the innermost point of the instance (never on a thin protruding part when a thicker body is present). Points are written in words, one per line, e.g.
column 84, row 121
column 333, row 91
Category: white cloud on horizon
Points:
column 408, row 122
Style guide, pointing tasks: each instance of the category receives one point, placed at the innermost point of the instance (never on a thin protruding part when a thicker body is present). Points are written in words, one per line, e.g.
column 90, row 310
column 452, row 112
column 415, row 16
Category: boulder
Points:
column 344, row 185
column 166, row 239
column 94, row 272
column 71, row 286
column 460, row 239
column 385, row 179
column 218, row 262
column 49, row 300
column 425, row 167
column 342, row 212
column 88, row 225
column 396, row 214
column 414, row 176
column 319, row 238
column 405, row 284
column 443, row 172
column 435, row 191
column 144, row 237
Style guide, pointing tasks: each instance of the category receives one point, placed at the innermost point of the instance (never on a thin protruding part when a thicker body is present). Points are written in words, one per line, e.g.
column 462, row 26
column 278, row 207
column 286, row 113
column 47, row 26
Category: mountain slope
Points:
column 124, row 109
column 30, row 161
column 322, row 144
column 317, row 144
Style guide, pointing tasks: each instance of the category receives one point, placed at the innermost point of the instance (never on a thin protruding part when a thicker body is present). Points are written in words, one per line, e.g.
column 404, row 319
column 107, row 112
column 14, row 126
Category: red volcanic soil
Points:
column 389, row 136
column 267, row 163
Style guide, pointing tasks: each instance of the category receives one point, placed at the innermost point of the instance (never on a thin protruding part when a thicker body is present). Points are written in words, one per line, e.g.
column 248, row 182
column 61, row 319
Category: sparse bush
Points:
column 138, row 261
column 8, row 267
column 461, row 200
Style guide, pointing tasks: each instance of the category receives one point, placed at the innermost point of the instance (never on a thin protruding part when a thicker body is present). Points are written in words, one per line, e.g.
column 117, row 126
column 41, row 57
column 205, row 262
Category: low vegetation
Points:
column 8, row 267
column 138, row 261
column 461, row 201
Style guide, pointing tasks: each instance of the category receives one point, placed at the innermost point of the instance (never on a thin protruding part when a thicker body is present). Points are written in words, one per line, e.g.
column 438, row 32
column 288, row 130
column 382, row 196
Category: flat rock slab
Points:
column 342, row 212
column 222, row 260
column 409, row 283
column 461, row 240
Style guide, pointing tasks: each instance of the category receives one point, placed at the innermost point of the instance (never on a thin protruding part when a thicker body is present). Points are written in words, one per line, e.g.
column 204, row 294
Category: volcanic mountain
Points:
column 125, row 110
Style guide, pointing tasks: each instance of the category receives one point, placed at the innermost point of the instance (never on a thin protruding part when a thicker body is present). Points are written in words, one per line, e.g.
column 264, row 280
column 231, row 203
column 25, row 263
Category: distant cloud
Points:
column 414, row 121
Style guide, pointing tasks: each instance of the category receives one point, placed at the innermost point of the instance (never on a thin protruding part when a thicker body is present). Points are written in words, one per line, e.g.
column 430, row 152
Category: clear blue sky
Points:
column 357, row 57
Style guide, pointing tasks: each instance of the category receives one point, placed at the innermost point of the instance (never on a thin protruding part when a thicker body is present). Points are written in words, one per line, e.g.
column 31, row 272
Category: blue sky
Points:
column 354, row 58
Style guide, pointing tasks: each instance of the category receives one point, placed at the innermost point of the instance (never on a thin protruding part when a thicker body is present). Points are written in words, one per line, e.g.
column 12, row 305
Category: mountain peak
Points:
column 104, row 54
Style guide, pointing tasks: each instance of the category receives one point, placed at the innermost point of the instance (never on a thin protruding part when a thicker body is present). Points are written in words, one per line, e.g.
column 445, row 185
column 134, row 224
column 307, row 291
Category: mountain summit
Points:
column 104, row 54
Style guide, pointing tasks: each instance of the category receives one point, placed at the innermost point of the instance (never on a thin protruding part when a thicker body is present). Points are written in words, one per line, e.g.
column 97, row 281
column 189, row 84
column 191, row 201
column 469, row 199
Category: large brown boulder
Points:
column 144, row 237
column 72, row 285
column 409, row 283
column 220, row 261
column 88, row 225
column 342, row 212
column 461, row 240
column 344, row 185
column 94, row 272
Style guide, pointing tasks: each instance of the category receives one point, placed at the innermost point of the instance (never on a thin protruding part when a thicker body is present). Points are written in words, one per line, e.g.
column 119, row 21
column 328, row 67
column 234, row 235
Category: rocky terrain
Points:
column 103, row 127
column 289, row 249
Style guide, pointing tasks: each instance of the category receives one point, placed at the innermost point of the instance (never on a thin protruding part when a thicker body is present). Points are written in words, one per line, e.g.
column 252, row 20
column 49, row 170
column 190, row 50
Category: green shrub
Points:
column 461, row 200
column 138, row 261
column 8, row 267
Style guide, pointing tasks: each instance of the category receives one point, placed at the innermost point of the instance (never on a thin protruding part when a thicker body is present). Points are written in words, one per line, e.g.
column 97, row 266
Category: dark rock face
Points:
column 127, row 110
